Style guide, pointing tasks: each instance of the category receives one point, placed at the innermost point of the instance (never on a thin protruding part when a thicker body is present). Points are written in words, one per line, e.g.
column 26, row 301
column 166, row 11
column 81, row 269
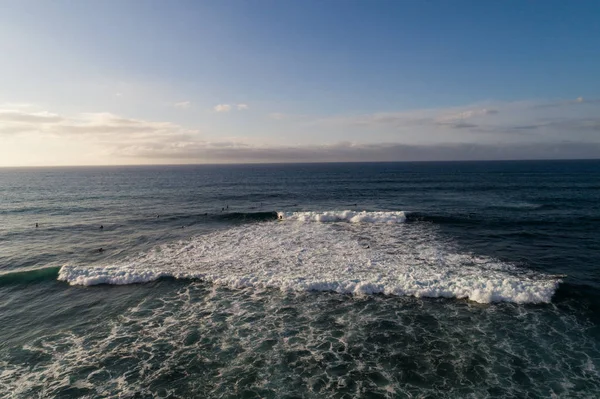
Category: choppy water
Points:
column 341, row 280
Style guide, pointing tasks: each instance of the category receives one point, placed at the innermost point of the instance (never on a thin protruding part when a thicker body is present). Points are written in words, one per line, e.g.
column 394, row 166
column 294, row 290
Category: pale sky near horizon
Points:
column 166, row 82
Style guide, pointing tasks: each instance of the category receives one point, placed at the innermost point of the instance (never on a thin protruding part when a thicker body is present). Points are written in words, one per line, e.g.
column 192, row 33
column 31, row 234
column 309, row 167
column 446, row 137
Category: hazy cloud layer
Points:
column 489, row 123
column 518, row 130
column 344, row 152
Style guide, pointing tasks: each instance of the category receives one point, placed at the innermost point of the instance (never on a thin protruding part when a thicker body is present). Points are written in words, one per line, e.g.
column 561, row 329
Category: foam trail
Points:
column 345, row 216
column 395, row 259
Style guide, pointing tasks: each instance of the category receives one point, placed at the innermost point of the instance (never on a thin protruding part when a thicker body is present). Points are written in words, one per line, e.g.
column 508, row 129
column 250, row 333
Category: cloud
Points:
column 459, row 125
column 349, row 152
column 229, row 107
column 222, row 108
column 8, row 116
column 90, row 126
column 468, row 114
column 14, row 122
column 450, row 117
column 183, row 104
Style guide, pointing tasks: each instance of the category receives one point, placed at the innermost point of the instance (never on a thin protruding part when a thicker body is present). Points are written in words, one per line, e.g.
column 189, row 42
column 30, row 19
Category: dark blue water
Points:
column 475, row 279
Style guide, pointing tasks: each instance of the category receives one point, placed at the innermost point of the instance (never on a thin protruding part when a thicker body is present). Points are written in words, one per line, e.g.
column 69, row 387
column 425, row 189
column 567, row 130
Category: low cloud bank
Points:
column 207, row 152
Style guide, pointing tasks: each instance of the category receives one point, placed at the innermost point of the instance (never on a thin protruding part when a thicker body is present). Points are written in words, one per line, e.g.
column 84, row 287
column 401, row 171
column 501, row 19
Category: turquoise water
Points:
column 474, row 279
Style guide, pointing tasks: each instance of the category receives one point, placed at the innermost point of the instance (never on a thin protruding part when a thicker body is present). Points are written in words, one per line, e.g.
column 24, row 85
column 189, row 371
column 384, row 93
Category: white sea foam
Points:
column 345, row 216
column 357, row 258
column 215, row 342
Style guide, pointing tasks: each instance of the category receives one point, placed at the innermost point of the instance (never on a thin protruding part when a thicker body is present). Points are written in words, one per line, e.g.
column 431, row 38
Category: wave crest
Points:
column 345, row 216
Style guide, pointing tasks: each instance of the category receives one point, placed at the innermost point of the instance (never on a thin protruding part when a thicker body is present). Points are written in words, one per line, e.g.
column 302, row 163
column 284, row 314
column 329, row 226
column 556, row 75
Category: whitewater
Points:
column 317, row 251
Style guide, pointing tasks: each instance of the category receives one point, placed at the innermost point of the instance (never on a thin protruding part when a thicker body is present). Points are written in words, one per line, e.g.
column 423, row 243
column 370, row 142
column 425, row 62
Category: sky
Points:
column 169, row 82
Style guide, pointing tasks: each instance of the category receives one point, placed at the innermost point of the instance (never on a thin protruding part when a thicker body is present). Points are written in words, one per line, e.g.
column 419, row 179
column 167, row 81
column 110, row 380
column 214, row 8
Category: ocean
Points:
column 365, row 280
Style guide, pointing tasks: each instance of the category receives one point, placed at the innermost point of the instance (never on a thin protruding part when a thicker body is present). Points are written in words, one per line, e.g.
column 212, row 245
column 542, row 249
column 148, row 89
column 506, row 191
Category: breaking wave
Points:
column 375, row 253
column 345, row 216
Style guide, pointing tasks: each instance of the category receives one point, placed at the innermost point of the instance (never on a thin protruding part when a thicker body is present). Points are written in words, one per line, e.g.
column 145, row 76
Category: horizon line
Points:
column 295, row 163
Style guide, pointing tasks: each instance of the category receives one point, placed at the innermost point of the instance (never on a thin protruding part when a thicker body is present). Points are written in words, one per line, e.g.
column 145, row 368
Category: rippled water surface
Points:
column 342, row 280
